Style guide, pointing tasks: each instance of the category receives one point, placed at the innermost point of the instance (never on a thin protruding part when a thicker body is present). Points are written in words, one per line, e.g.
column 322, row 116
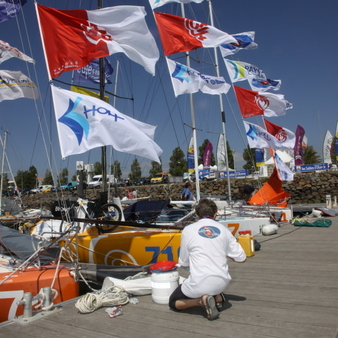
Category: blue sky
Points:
column 296, row 44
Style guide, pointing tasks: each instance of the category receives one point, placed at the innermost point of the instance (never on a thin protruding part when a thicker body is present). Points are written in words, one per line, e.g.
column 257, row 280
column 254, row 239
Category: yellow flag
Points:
column 84, row 91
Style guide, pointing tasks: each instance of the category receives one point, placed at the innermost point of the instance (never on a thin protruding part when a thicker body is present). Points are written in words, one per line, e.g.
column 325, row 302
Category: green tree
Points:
column 135, row 171
column 249, row 157
column 201, row 152
column 116, row 170
column 63, row 176
column 27, row 179
column 155, row 168
column 178, row 163
column 48, row 178
column 97, row 168
column 310, row 156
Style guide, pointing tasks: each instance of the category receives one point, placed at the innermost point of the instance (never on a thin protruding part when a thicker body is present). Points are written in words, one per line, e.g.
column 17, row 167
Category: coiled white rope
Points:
column 91, row 301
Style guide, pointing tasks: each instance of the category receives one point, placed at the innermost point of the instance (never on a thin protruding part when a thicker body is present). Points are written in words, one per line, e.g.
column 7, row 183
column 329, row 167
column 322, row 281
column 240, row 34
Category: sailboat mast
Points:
column 221, row 108
column 193, row 126
column 104, row 148
column 2, row 169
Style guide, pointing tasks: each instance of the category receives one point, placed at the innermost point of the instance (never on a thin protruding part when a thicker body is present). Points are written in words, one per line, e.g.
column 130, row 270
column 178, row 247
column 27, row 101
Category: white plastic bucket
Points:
column 162, row 286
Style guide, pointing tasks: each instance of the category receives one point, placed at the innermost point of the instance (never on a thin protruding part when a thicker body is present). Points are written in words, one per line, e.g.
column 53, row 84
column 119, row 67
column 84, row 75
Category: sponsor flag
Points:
column 259, row 157
column 190, row 156
column 159, row 3
column 253, row 103
column 298, row 151
column 10, row 8
column 327, row 145
column 88, row 92
column 73, row 38
column 244, row 40
column 84, row 123
column 7, row 52
column 304, row 143
column 283, row 171
column 220, row 154
column 258, row 137
column 207, row 154
column 14, row 85
column 240, row 71
column 187, row 80
column 283, row 135
column 181, row 34
column 91, row 72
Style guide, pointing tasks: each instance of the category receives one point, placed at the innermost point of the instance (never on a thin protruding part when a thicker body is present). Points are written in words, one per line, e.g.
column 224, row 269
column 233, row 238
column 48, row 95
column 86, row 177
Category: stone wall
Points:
column 305, row 188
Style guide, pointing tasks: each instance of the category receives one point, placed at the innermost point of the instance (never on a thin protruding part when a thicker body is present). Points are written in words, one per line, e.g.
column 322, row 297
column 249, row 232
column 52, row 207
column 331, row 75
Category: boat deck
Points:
column 288, row 289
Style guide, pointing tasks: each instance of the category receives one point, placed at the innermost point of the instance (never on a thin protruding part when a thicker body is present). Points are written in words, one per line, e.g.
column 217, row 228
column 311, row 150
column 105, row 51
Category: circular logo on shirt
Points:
column 209, row 232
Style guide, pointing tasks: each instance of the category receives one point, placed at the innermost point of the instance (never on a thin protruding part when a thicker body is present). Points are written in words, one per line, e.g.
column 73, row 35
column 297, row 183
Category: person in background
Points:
column 206, row 246
column 129, row 194
column 134, row 194
column 246, row 192
column 186, row 194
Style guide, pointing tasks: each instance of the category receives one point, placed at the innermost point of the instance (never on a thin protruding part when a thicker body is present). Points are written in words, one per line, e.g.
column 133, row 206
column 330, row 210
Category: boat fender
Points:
column 269, row 229
column 162, row 266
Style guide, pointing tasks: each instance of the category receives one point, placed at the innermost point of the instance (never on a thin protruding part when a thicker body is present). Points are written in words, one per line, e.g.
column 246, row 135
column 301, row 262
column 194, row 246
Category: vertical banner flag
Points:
column 220, row 154
column 207, row 154
column 14, row 85
column 187, row 80
column 327, row 145
column 298, row 151
column 73, row 38
column 258, row 137
column 284, row 172
column 7, row 52
column 259, row 157
column 159, row 3
column 253, row 103
column 181, row 34
column 91, row 72
column 84, row 122
column 304, row 143
column 240, row 71
column 283, row 135
column 244, row 40
column 10, row 8
column 190, row 156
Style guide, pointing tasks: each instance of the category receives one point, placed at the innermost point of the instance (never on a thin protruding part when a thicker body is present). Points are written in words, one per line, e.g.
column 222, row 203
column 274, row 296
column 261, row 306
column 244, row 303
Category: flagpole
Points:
column 221, row 108
column 193, row 126
column 104, row 148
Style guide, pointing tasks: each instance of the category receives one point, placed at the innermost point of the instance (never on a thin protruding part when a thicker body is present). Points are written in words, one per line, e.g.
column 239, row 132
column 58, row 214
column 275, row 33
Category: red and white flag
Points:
column 181, row 34
column 283, row 135
column 253, row 103
column 74, row 38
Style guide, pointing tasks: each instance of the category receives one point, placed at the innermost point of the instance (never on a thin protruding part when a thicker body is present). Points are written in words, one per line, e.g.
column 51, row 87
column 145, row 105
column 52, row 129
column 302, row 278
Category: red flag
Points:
column 247, row 102
column 283, row 135
column 74, row 38
column 181, row 34
column 253, row 103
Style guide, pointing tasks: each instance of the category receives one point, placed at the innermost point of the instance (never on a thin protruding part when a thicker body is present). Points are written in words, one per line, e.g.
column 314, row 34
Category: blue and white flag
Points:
column 241, row 71
column 245, row 40
column 159, row 3
column 85, row 122
column 258, row 137
column 91, row 72
column 14, row 85
column 284, row 172
column 7, row 52
column 187, row 80
column 10, row 8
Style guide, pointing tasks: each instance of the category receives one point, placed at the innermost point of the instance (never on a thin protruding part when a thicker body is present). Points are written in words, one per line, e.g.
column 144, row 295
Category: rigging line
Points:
column 120, row 97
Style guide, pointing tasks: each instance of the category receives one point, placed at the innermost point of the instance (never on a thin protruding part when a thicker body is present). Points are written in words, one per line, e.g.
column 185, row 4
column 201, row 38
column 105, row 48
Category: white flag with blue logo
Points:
column 284, row 172
column 186, row 80
column 85, row 122
column 240, row 71
column 258, row 137
column 244, row 40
